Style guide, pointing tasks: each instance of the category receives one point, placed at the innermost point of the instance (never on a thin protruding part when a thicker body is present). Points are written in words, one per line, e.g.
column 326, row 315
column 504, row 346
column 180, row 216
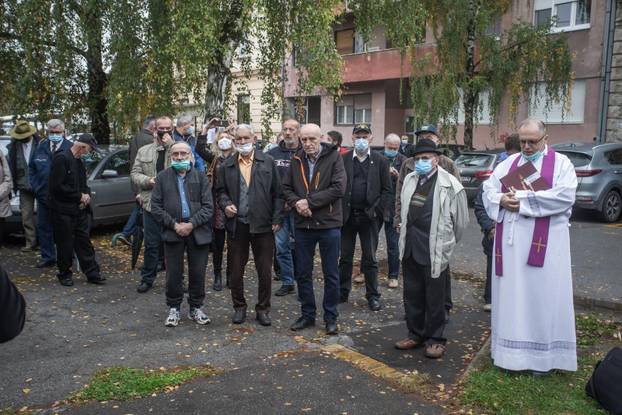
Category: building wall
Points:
column 614, row 112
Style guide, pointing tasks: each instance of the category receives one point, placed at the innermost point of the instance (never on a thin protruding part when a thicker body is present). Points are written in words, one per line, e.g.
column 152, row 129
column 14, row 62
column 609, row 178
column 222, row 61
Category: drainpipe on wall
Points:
column 605, row 73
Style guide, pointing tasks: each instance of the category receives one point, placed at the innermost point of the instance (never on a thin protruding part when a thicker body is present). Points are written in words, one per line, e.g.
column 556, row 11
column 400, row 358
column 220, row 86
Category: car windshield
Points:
column 577, row 159
column 474, row 160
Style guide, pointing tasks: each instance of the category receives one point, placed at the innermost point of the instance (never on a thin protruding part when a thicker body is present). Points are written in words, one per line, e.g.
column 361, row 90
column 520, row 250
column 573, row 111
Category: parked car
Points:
column 476, row 167
column 599, row 173
column 108, row 176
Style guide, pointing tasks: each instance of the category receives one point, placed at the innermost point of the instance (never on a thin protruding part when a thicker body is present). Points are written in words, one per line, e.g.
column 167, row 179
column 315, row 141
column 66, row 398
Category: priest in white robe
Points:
column 533, row 325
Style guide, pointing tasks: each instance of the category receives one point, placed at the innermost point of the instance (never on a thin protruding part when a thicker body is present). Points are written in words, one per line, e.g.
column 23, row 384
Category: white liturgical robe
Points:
column 533, row 326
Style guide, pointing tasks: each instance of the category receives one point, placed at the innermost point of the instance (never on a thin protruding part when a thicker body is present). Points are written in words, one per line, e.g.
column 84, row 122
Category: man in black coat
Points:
column 181, row 202
column 368, row 192
column 12, row 308
column 249, row 191
column 69, row 201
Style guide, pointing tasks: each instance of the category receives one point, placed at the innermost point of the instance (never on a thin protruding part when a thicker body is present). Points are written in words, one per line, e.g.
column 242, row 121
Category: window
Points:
column 244, row 109
column 577, row 159
column 566, row 14
column 556, row 113
column 306, row 110
column 120, row 163
column 353, row 109
column 344, row 41
column 614, row 157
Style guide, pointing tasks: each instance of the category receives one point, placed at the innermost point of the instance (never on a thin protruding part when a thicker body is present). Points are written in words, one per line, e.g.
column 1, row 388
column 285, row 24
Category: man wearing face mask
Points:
column 151, row 160
column 391, row 152
column 69, row 200
column 39, row 174
column 249, row 192
column 282, row 155
column 368, row 190
column 431, row 213
column 182, row 203
column 184, row 131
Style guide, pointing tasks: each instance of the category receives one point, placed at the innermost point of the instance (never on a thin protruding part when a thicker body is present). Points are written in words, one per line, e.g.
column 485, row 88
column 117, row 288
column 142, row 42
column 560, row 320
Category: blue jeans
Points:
column 393, row 249
column 153, row 239
column 284, row 249
column 130, row 225
column 45, row 233
column 329, row 241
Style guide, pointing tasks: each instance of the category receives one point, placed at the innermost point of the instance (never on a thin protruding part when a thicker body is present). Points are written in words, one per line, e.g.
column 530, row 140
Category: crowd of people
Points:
column 218, row 193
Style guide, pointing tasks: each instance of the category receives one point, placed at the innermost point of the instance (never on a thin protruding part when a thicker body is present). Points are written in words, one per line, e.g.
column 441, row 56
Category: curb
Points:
column 595, row 303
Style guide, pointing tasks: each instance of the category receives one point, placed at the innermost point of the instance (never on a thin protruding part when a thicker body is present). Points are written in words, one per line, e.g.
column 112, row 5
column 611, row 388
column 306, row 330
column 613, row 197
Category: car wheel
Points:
column 612, row 206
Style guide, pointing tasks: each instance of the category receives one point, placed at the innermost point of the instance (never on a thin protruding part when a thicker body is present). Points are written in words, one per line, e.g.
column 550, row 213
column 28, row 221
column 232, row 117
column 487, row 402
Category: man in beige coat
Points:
column 431, row 214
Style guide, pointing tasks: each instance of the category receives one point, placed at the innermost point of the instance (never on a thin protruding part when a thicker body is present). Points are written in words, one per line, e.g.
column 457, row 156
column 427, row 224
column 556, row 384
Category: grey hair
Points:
column 54, row 122
column 244, row 127
column 148, row 121
column 392, row 137
column 533, row 122
column 184, row 119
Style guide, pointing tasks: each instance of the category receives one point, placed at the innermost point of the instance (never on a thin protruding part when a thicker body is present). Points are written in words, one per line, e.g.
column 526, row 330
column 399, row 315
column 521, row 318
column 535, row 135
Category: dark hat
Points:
column 361, row 128
column 428, row 128
column 22, row 130
column 425, row 145
column 87, row 138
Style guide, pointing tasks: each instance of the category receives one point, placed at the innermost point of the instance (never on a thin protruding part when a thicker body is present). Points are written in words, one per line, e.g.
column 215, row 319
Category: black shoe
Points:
column 374, row 304
column 143, row 287
column 343, row 300
column 217, row 283
column 97, row 281
column 263, row 318
column 239, row 316
column 45, row 264
column 331, row 328
column 284, row 290
column 67, row 281
column 301, row 324
column 276, row 276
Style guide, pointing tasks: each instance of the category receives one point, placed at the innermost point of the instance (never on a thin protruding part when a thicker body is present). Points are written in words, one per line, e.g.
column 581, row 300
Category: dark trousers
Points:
column 449, row 304
column 424, row 298
column 488, row 287
column 393, row 250
column 45, row 232
column 329, row 241
column 197, row 261
column 262, row 245
column 218, row 249
column 71, row 233
column 367, row 229
column 153, row 243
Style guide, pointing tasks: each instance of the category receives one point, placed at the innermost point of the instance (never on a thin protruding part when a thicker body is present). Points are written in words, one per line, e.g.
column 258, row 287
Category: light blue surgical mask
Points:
column 390, row 153
column 56, row 138
column 244, row 149
column 361, row 145
column 189, row 131
column 181, row 165
column 532, row 158
column 423, row 167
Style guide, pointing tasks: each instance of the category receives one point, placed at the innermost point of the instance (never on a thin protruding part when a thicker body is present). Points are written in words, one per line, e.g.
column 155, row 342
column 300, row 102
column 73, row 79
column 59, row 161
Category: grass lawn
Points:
column 496, row 391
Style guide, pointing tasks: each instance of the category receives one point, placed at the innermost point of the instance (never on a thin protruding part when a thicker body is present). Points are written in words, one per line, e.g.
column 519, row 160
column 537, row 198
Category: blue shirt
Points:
column 185, row 208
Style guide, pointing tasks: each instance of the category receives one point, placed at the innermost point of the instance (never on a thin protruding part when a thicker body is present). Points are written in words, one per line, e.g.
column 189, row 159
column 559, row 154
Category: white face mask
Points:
column 244, row 149
column 225, row 143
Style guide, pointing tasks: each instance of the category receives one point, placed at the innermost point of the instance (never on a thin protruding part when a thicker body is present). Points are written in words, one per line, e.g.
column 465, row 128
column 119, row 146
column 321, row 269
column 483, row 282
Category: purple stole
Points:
column 540, row 237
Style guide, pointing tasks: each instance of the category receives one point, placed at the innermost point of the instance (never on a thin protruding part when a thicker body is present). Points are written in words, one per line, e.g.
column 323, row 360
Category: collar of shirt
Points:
column 427, row 177
column 248, row 160
column 361, row 159
column 60, row 143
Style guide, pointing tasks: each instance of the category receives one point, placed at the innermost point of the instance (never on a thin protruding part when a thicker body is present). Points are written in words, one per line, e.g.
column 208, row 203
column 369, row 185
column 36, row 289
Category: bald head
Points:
column 311, row 137
column 532, row 124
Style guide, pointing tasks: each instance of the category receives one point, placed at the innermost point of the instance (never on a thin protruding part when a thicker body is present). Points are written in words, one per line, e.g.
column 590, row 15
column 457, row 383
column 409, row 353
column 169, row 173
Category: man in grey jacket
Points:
column 431, row 215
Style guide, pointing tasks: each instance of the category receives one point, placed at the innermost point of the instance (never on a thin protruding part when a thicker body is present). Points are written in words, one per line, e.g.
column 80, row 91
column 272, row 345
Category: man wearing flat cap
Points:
column 69, row 201
column 431, row 213
column 22, row 147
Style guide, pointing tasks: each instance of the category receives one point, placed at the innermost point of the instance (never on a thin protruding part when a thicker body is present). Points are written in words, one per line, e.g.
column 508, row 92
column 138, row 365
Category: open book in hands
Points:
column 525, row 177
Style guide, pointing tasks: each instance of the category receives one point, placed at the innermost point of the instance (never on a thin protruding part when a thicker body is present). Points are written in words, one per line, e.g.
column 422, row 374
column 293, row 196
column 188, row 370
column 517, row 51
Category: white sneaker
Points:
column 173, row 318
column 393, row 283
column 197, row 315
column 487, row 307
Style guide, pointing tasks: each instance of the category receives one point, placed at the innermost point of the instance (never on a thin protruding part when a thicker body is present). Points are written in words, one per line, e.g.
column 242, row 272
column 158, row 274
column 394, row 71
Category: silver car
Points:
column 108, row 175
column 599, row 173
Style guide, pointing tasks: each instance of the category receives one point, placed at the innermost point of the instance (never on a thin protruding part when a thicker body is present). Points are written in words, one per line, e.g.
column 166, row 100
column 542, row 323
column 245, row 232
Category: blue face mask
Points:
column 361, row 145
column 423, row 167
column 181, row 165
column 390, row 153
column 55, row 137
column 189, row 131
column 533, row 158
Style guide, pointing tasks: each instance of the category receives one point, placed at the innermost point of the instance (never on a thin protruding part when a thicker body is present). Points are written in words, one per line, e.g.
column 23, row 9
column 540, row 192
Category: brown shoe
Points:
column 408, row 344
column 435, row 351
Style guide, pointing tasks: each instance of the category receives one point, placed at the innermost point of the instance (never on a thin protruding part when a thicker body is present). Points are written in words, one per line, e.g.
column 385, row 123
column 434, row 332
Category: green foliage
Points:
column 592, row 331
column 121, row 383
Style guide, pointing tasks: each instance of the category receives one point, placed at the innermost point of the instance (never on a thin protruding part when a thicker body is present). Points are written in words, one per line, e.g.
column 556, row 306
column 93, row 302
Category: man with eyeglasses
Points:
column 532, row 301
column 431, row 214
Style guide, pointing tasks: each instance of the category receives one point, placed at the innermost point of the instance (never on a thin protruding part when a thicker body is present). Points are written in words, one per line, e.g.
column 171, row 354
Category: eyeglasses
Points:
column 531, row 142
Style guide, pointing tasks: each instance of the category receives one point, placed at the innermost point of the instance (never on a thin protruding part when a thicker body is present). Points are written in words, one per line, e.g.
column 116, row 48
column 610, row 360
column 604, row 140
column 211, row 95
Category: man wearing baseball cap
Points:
column 69, row 200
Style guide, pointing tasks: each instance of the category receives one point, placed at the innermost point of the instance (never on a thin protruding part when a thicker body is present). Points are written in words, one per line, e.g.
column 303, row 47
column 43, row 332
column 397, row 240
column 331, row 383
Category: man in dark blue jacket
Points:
column 282, row 155
column 39, row 175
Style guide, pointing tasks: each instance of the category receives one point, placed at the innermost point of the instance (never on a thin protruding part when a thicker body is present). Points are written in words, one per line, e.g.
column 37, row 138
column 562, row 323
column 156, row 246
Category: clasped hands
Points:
column 183, row 229
column 509, row 201
column 85, row 199
column 302, row 207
